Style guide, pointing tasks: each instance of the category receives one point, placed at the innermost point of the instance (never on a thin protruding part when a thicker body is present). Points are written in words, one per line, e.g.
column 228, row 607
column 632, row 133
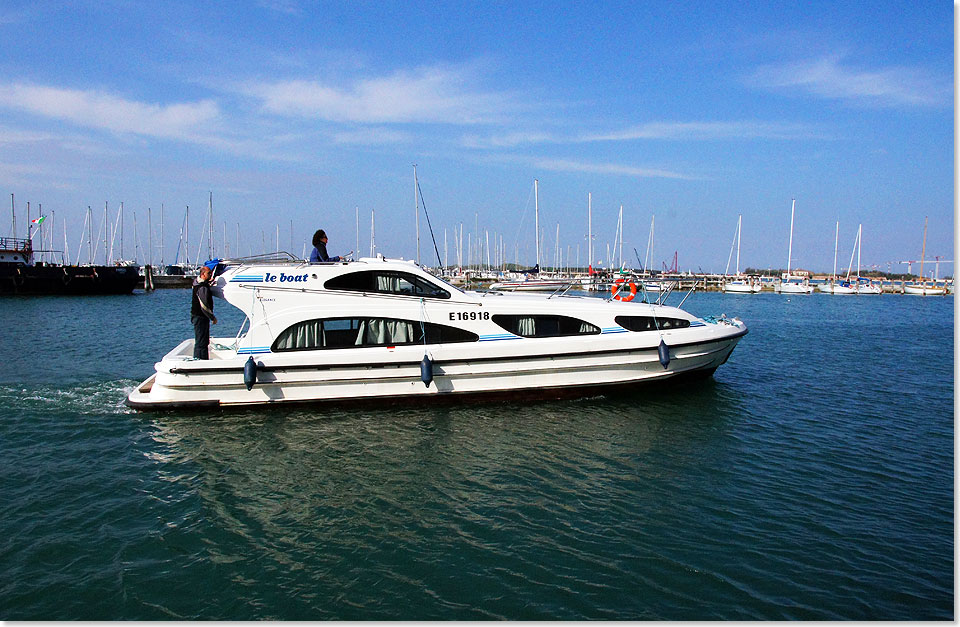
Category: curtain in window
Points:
column 586, row 328
column 526, row 326
column 307, row 335
column 388, row 283
column 362, row 335
column 398, row 332
column 377, row 331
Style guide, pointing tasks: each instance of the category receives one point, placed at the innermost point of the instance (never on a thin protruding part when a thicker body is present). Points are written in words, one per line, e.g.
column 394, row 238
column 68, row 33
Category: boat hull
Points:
column 793, row 288
column 741, row 288
column 68, row 280
column 506, row 377
column 531, row 286
column 925, row 290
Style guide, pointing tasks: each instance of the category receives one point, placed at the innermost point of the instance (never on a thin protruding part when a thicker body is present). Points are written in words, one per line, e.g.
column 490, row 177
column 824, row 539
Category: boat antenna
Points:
column 430, row 226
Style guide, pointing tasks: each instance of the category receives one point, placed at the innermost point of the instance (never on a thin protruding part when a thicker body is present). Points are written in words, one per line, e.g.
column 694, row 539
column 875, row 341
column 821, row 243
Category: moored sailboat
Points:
column 792, row 284
column 531, row 280
column 923, row 289
column 739, row 284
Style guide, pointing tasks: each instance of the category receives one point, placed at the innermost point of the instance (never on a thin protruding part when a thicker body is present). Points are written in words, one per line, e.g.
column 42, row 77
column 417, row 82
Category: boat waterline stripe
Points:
column 442, row 362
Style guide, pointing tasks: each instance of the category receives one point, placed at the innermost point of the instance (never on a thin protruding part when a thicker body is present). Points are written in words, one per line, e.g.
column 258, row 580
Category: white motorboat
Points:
column 386, row 330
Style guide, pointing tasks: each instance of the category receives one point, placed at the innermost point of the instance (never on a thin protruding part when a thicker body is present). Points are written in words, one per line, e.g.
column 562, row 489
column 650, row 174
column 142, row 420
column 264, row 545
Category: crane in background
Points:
column 937, row 260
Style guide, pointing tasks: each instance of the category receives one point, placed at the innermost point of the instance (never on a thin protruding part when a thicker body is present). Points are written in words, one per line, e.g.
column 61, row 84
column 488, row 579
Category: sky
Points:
column 297, row 116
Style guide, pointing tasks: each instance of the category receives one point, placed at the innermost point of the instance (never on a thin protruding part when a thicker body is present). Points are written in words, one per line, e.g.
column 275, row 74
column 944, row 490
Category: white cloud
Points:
column 563, row 165
column 828, row 78
column 430, row 95
column 509, row 140
column 706, row 131
column 686, row 131
column 371, row 137
column 99, row 110
column 569, row 165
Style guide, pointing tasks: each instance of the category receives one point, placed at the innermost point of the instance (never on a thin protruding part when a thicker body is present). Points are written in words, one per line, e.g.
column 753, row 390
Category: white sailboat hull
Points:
column 741, row 287
column 924, row 290
column 533, row 285
column 793, row 288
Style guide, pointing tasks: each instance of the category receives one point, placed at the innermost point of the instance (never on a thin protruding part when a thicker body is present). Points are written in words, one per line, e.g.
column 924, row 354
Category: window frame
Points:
column 356, row 324
column 658, row 323
column 418, row 282
column 561, row 320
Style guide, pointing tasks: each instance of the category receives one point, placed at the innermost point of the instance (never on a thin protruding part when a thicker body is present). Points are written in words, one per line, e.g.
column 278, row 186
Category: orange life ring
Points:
column 616, row 290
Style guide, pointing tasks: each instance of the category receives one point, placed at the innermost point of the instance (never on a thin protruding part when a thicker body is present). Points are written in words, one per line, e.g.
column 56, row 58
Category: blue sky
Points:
column 297, row 112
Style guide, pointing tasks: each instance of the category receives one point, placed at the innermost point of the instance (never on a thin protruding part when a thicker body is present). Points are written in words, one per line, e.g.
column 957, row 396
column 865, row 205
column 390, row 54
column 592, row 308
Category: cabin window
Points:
column 649, row 323
column 545, row 326
column 387, row 282
column 360, row 332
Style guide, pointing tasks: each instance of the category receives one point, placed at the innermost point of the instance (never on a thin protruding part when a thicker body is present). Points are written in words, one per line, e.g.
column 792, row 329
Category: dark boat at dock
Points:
column 21, row 274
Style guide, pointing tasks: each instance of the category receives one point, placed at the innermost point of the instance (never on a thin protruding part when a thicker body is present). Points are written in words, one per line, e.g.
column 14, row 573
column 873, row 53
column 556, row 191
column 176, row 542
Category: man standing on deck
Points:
column 201, row 314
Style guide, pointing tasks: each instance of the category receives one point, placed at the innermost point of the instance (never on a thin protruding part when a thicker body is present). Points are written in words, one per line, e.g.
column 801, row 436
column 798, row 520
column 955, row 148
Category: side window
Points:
column 360, row 332
column 353, row 281
column 544, row 326
column 649, row 323
column 387, row 282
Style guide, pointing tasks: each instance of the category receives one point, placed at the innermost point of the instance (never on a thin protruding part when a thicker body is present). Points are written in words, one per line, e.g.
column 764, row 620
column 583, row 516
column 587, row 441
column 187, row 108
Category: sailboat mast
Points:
column 149, row 238
column 790, row 248
column 648, row 256
column 210, row 247
column 416, row 210
column 859, row 236
column 836, row 248
column 739, row 218
column 90, row 235
column 923, row 251
column 536, row 213
column 106, row 229
column 620, row 228
column 373, row 240
column 589, row 229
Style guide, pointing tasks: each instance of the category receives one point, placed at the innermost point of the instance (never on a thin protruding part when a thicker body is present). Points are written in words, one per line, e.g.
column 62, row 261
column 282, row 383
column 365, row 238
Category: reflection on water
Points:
column 390, row 505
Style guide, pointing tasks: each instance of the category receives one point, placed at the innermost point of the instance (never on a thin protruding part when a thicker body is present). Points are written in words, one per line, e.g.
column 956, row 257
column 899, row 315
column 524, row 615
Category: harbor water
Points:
column 811, row 478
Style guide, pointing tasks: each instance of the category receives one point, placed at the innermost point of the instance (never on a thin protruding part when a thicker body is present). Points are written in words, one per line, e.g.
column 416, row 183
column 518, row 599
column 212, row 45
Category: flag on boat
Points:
column 38, row 221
